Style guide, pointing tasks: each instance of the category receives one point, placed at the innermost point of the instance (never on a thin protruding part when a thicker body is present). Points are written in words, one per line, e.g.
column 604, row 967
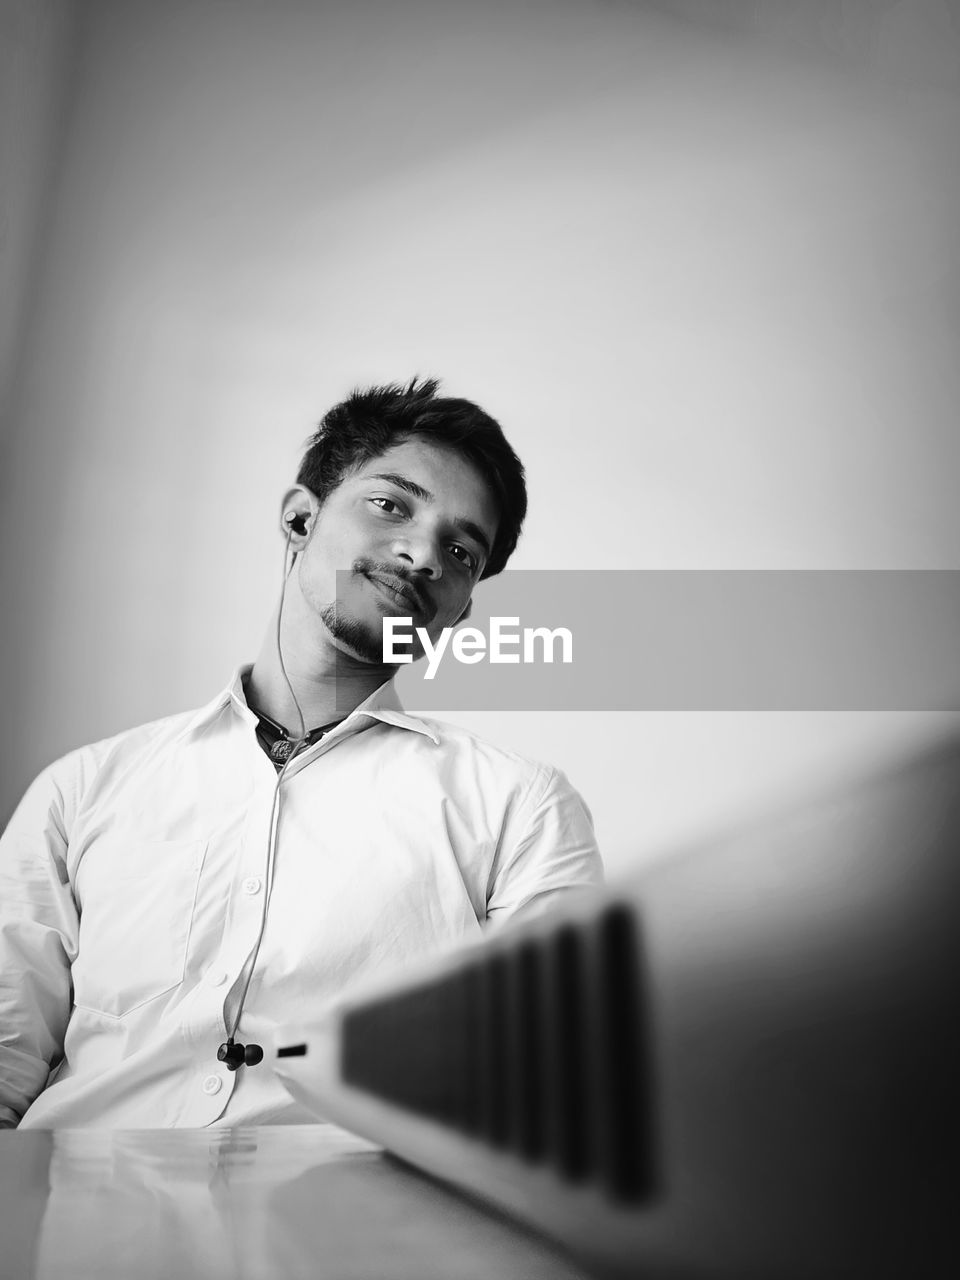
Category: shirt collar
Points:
column 383, row 704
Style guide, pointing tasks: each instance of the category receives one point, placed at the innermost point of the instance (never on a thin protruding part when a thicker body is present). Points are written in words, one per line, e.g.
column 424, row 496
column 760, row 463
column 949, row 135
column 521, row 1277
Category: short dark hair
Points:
column 374, row 419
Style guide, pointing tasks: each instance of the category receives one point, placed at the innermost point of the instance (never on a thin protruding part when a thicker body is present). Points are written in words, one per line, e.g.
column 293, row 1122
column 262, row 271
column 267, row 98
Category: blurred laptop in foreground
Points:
column 740, row 1064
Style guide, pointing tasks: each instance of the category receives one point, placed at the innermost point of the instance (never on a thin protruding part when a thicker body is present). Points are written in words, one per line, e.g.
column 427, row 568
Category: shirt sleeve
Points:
column 39, row 927
column 548, row 850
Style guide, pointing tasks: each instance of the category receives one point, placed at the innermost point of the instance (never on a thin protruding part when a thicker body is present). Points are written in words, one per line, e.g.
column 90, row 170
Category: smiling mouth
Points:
column 399, row 592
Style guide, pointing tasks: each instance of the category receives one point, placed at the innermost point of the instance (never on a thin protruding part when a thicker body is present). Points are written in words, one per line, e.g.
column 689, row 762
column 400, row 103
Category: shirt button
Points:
column 251, row 885
column 212, row 1084
column 216, row 977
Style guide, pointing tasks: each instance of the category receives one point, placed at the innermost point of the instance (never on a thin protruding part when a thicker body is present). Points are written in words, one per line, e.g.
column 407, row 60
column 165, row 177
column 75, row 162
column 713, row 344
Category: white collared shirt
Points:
column 132, row 883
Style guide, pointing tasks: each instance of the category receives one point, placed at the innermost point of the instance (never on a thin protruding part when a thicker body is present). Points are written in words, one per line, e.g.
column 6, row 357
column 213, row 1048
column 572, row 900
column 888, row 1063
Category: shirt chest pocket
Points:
column 137, row 903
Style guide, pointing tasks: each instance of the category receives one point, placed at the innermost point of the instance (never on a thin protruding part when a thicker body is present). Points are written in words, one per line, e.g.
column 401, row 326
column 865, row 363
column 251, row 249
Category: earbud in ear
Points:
column 295, row 523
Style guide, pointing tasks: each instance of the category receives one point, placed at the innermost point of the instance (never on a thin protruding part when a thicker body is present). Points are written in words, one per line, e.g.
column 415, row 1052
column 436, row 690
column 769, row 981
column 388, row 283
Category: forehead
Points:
column 455, row 485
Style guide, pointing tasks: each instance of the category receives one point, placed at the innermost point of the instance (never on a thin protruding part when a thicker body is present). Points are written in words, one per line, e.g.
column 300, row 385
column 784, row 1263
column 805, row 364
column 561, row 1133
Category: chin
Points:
column 355, row 637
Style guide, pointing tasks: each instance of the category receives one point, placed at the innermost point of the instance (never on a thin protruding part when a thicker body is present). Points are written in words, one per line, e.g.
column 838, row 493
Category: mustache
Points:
column 399, row 579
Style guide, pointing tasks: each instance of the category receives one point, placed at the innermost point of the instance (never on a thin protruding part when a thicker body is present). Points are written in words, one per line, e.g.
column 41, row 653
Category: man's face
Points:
column 413, row 529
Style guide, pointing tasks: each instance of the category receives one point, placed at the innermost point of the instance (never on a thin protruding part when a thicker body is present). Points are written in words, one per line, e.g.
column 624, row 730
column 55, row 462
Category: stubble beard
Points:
column 354, row 635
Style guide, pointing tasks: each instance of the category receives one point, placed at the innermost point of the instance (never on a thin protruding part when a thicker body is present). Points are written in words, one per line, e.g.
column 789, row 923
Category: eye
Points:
column 389, row 506
column 465, row 557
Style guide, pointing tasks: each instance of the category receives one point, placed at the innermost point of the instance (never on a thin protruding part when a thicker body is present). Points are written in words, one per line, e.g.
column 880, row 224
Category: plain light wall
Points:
column 701, row 261
column 36, row 38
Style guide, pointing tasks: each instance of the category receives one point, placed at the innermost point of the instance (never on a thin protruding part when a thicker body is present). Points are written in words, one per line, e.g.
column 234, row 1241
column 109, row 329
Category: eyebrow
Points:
column 417, row 491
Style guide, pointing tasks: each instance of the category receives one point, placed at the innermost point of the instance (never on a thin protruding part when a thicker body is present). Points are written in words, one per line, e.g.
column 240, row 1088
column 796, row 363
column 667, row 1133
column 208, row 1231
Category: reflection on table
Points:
column 285, row 1201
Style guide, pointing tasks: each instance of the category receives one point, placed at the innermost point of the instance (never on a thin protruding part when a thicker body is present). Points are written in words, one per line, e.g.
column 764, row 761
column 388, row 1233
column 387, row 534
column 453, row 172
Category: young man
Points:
column 172, row 895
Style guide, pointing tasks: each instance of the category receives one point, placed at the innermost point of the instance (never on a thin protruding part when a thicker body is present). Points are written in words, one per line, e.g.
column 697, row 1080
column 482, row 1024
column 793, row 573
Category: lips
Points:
column 399, row 591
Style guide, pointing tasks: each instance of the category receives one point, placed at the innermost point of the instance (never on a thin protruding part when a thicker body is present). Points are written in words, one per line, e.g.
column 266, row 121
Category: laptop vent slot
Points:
column 538, row 1049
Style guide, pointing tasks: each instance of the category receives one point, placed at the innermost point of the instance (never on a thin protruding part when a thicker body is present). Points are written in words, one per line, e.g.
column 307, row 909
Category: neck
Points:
column 328, row 683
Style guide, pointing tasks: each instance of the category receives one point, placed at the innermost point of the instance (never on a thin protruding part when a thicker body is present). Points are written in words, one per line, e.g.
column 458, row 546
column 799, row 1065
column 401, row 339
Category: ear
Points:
column 467, row 610
column 298, row 511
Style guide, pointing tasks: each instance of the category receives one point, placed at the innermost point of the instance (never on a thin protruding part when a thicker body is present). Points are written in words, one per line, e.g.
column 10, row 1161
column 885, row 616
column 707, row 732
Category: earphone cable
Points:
column 275, row 808
column 283, row 669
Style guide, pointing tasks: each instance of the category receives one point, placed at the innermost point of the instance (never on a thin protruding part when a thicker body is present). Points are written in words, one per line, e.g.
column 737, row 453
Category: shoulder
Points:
column 63, row 785
column 128, row 743
column 470, row 749
column 546, row 845
column 523, row 786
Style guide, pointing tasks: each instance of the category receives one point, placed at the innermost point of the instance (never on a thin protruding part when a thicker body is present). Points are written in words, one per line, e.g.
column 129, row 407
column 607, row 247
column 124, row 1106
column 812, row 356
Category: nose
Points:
column 420, row 554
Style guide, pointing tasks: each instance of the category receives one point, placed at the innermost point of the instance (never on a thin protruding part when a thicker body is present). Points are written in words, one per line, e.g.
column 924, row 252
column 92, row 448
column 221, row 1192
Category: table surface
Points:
column 274, row 1202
